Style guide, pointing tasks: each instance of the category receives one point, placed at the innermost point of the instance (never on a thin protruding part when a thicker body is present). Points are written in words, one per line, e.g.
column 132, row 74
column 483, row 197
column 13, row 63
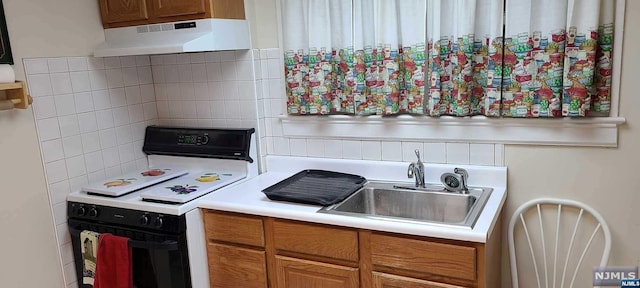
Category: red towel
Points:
column 113, row 267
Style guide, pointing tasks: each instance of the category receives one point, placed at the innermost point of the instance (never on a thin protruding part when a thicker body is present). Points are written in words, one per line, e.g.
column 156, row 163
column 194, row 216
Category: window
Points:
column 463, row 78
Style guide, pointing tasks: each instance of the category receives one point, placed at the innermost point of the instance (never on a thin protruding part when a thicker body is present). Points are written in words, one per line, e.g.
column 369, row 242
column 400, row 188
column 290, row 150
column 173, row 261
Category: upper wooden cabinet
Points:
column 121, row 13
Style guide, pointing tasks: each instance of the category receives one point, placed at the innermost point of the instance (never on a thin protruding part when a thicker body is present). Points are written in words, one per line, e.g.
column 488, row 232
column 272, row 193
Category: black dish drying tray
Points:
column 317, row 187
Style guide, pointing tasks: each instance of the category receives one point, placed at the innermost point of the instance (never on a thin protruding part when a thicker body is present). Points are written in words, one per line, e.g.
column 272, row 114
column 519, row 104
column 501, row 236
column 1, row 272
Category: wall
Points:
column 601, row 177
column 210, row 89
column 37, row 28
column 90, row 115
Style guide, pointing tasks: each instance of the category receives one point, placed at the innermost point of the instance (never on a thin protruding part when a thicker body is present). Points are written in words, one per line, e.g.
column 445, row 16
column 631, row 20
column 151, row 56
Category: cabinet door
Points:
column 172, row 8
column 117, row 11
column 382, row 280
column 298, row 273
column 231, row 266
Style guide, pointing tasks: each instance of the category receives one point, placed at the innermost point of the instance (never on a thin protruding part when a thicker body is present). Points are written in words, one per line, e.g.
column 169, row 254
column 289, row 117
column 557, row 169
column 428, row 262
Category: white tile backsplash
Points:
column 59, row 191
column 298, row 147
column 61, row 83
column 391, row 151
column 68, row 125
column 371, row 150
column 84, row 102
column 130, row 76
column 56, row 171
column 315, row 148
column 39, row 85
column 481, row 154
column 458, row 153
column 77, row 63
column 76, row 167
column 44, row 107
column 128, row 61
column 94, row 63
column 108, row 138
column 113, row 99
column 90, row 142
column 409, row 151
column 36, row 66
column 351, row 149
column 117, row 97
column 435, row 152
column 115, row 78
column 333, row 148
column 98, row 79
column 58, row 65
column 48, row 129
column 104, row 119
column 80, row 81
column 72, row 146
column 65, row 104
column 111, row 62
column 52, row 150
column 87, row 122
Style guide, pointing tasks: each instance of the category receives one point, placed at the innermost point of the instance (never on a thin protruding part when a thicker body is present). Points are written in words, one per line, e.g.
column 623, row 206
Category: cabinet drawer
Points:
column 231, row 266
column 318, row 240
column 382, row 280
column 234, row 228
column 424, row 256
column 294, row 273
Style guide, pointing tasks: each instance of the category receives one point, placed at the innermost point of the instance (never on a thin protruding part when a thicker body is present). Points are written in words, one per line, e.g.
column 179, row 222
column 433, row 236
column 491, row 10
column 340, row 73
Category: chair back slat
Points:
column 544, row 255
column 533, row 255
column 555, row 250
column 546, row 209
column 573, row 239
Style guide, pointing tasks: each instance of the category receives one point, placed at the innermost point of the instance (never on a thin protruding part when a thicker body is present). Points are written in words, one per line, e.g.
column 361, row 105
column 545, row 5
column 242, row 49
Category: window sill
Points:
column 597, row 131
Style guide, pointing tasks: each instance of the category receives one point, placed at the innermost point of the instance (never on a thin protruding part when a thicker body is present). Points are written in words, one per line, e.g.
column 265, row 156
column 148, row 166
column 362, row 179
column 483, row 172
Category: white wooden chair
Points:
column 557, row 272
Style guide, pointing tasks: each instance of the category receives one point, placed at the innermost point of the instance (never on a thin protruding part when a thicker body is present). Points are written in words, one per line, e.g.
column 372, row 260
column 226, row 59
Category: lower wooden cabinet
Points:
column 254, row 251
column 382, row 280
column 299, row 273
column 231, row 266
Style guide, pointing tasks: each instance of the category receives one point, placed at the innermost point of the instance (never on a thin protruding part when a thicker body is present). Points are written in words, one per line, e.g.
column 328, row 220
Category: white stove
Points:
column 159, row 202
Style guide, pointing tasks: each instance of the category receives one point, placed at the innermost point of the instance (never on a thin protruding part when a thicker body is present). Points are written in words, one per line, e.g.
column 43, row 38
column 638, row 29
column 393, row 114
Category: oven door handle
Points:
column 166, row 245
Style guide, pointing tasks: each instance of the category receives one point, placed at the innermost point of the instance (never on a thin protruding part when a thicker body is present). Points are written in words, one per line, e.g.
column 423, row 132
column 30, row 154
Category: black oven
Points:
column 158, row 242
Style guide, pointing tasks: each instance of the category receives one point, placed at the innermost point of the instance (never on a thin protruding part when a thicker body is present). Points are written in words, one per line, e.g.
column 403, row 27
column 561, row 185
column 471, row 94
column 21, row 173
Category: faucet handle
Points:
column 410, row 170
column 462, row 172
column 418, row 154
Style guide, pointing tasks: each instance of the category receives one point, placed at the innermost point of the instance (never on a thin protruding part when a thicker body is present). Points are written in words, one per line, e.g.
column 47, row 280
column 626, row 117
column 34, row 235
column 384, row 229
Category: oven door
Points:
column 159, row 260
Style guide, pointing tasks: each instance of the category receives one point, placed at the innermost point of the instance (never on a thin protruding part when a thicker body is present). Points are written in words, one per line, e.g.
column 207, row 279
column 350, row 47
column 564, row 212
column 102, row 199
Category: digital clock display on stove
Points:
column 193, row 139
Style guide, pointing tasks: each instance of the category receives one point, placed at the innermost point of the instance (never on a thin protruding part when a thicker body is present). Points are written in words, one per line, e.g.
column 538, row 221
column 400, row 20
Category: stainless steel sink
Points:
column 433, row 204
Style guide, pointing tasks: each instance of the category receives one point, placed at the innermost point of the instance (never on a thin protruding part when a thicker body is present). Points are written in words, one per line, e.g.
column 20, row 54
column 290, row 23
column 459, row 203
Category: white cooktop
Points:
column 190, row 186
column 127, row 183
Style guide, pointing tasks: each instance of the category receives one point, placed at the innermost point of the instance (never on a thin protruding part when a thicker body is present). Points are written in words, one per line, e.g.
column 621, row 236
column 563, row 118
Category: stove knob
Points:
column 93, row 212
column 81, row 211
column 158, row 223
column 144, row 220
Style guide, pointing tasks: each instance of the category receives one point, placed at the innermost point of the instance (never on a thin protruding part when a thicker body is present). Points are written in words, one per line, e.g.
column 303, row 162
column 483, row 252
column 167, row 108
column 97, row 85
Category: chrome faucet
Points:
column 464, row 189
column 416, row 169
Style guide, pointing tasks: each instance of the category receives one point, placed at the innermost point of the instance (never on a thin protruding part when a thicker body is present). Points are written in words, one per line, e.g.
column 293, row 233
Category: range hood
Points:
column 176, row 37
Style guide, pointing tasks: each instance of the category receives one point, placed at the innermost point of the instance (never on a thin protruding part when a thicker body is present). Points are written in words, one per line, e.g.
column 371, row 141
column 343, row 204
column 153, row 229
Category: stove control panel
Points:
column 127, row 217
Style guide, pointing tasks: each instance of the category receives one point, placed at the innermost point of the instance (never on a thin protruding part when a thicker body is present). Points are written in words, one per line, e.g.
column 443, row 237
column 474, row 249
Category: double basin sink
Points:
column 404, row 203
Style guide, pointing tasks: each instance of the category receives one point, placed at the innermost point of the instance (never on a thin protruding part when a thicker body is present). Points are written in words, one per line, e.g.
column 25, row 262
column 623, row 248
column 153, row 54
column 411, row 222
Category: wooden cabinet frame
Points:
column 377, row 259
column 123, row 13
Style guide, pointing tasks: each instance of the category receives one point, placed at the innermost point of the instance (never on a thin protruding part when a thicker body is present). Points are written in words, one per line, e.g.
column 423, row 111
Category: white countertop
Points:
column 247, row 197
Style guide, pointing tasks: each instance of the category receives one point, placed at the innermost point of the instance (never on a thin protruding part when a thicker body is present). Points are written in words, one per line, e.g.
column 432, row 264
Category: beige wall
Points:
column 603, row 178
column 44, row 28
column 37, row 28
column 262, row 18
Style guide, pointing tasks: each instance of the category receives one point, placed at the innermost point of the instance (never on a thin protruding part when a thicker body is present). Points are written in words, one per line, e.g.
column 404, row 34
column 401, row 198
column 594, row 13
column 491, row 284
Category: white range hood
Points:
column 176, row 37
